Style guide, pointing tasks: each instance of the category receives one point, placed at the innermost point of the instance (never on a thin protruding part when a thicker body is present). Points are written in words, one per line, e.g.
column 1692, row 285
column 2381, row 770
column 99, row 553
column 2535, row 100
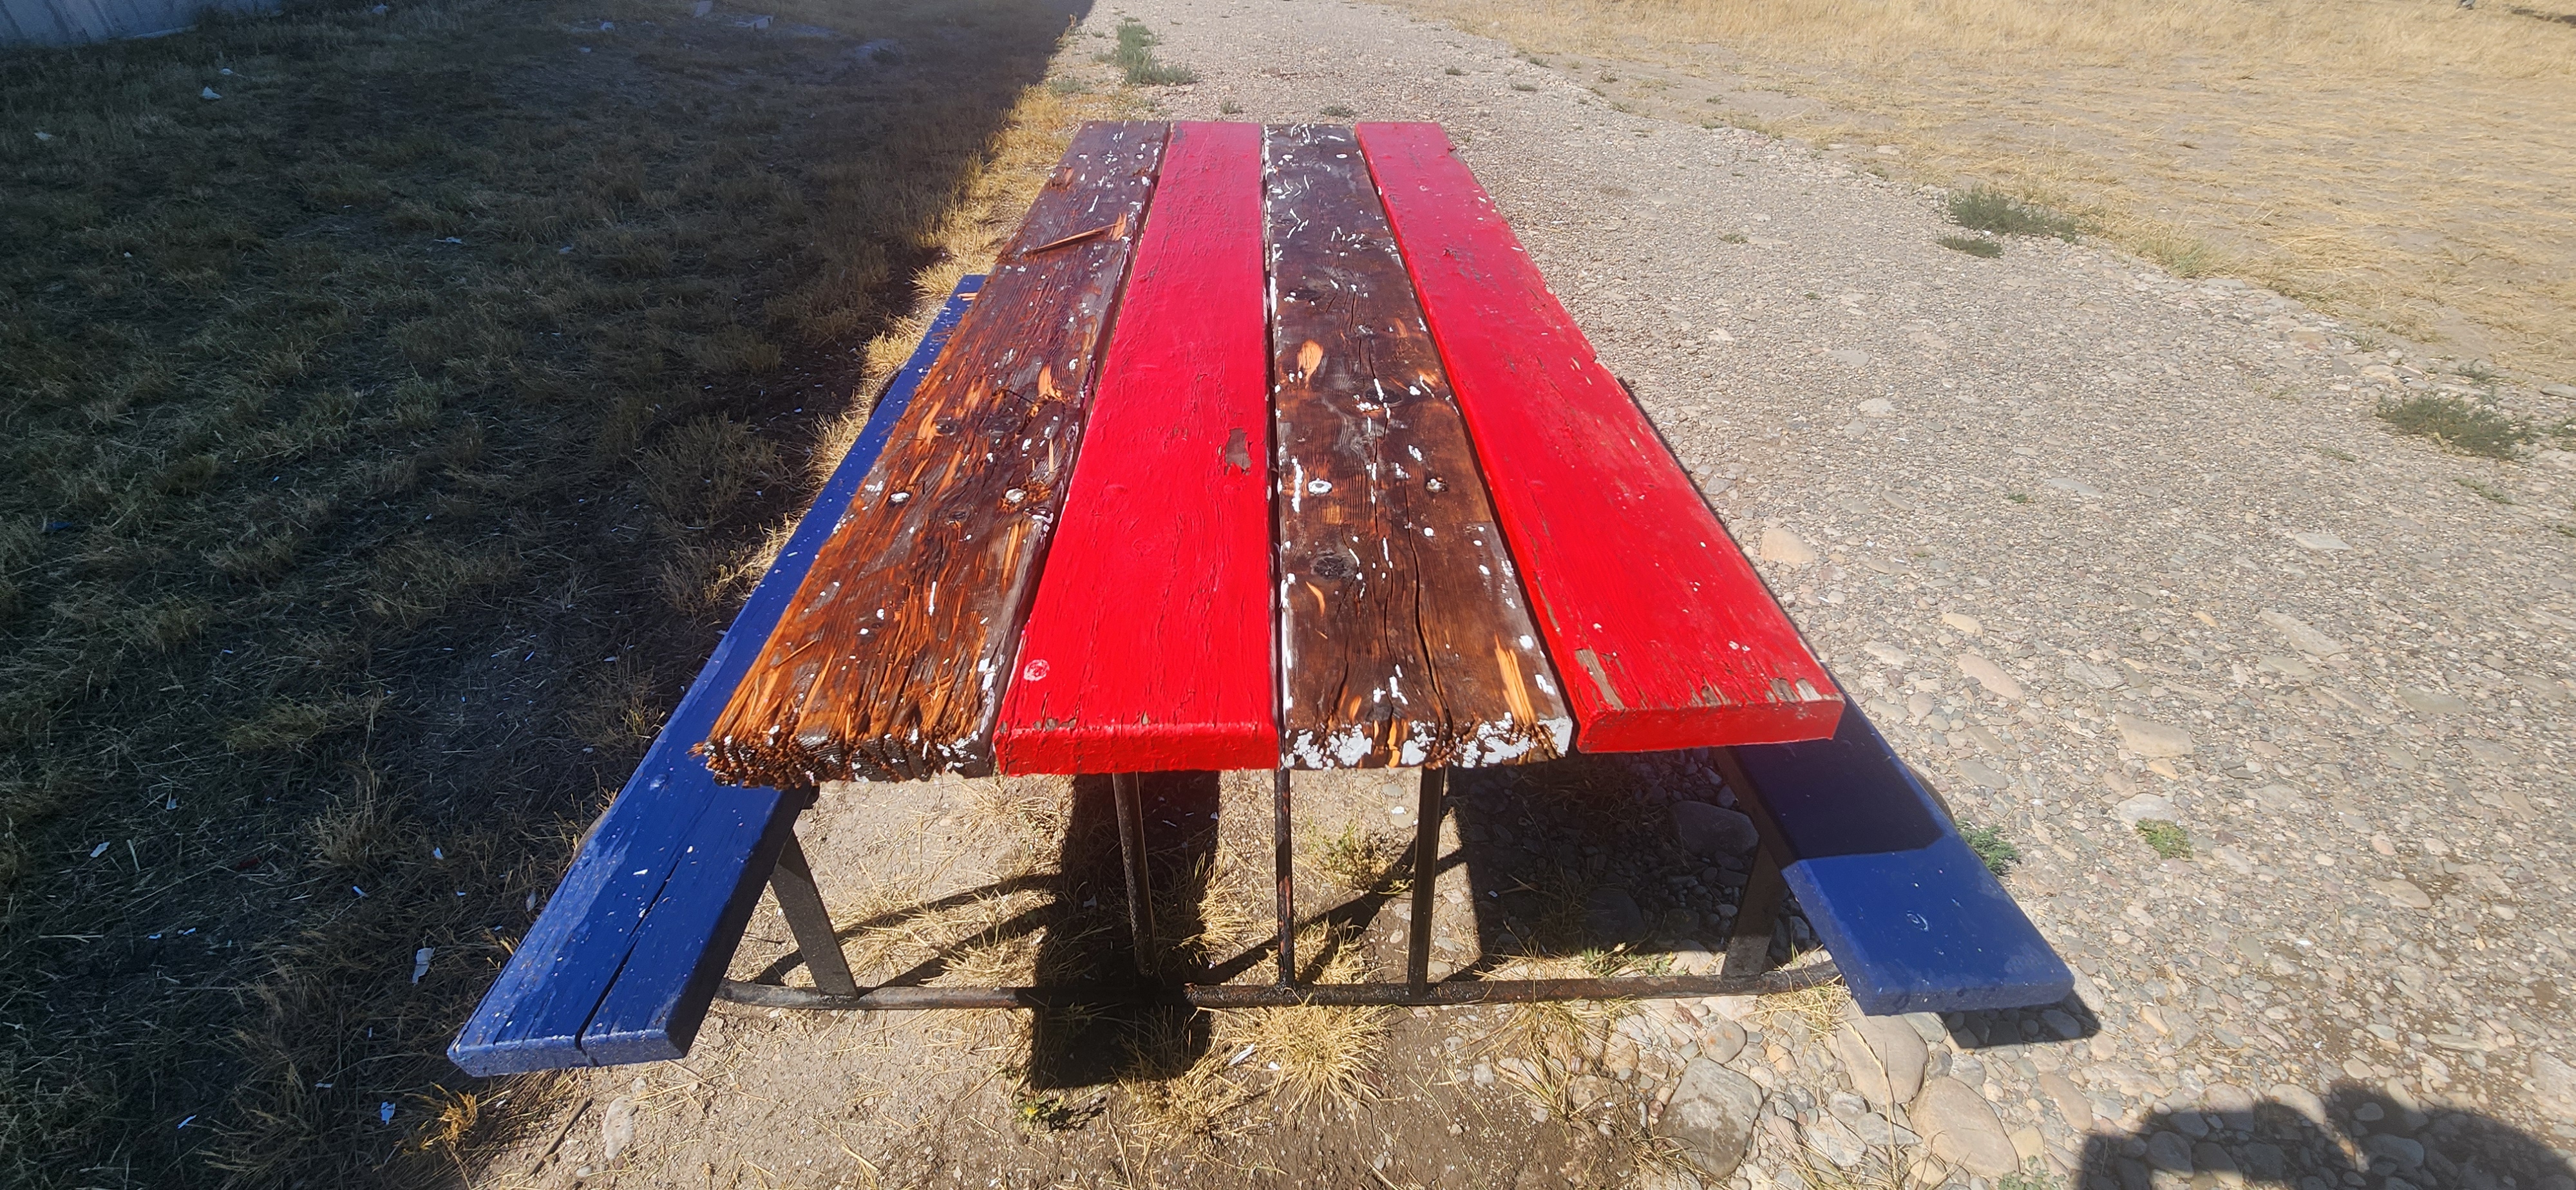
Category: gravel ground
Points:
column 2095, row 546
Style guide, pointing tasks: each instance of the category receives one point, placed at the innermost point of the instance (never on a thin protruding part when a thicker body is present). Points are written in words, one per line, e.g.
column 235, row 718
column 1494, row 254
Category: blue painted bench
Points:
column 621, row 964
column 1913, row 919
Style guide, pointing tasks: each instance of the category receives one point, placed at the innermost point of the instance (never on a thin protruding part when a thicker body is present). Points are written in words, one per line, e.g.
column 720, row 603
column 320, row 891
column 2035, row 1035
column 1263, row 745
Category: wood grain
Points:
column 1404, row 638
column 1148, row 647
column 1667, row 637
column 891, row 660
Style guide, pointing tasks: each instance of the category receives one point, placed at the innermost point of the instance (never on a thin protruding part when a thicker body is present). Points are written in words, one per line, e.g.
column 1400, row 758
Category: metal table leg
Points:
column 792, row 882
column 1426, row 872
column 1284, row 862
column 1748, row 950
column 1131, row 850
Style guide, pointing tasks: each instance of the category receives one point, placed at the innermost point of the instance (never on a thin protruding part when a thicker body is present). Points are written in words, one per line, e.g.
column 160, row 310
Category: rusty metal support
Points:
column 792, row 882
column 1130, row 808
column 1283, row 861
column 1259, row 995
column 1426, row 874
column 1748, row 949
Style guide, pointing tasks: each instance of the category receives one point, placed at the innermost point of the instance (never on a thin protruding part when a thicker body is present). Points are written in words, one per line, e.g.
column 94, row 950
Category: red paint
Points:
column 1661, row 631
column 1148, row 646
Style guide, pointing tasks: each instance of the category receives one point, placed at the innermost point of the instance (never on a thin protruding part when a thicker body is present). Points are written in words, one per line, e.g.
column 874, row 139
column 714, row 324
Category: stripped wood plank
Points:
column 1668, row 637
column 891, row 660
column 1403, row 635
column 1148, row 648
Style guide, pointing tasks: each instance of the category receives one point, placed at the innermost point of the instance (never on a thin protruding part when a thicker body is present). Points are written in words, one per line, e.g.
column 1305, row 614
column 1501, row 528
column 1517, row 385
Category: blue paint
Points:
column 1912, row 917
column 620, row 965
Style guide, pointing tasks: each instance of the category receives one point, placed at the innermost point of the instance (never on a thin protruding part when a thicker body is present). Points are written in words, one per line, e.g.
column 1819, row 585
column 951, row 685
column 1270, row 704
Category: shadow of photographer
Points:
column 2355, row 1136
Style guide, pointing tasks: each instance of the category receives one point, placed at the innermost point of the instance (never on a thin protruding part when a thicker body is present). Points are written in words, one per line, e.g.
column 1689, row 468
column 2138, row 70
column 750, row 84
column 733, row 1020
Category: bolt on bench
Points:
column 1260, row 448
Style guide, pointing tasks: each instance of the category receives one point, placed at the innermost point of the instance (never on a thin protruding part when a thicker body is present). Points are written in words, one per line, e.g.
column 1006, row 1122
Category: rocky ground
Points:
column 2096, row 546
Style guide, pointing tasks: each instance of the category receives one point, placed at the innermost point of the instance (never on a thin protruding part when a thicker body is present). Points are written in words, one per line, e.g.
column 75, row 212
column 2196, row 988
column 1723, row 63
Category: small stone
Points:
column 1612, row 915
column 1720, row 1040
column 2280, row 797
column 1964, row 624
column 2077, row 486
column 2146, row 737
column 2237, row 861
column 2553, row 1083
column 2299, row 1099
column 1885, row 1057
column 2405, row 894
column 2323, row 542
column 2405, row 1152
column 208, row 93
column 2170, row 1152
column 1714, row 831
column 1482, row 1075
column 1887, row 654
column 1962, row 1128
column 2431, row 702
column 2142, row 808
column 1847, row 355
column 2072, row 1106
column 2306, row 639
column 1782, row 546
column 1712, row 1115
column 1878, row 407
column 1585, row 1090
column 1834, row 1140
column 1990, row 675
column 2099, row 677
column 617, row 1127
column 2288, row 667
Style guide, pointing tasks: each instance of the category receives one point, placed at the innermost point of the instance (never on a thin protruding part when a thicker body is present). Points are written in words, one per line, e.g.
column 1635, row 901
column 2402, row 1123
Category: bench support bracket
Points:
column 792, row 882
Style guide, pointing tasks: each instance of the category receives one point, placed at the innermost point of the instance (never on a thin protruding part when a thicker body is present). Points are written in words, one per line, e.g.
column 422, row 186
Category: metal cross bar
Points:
column 1747, row 970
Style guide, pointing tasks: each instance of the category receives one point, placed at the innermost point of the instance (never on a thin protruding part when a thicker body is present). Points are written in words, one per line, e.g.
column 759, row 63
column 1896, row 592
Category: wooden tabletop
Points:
column 1352, row 491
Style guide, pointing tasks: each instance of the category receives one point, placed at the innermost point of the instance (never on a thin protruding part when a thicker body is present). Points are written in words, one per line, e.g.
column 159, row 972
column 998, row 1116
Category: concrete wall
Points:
column 71, row 22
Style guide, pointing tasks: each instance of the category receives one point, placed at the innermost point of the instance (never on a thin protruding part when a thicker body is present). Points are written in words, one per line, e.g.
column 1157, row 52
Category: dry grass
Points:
column 385, row 445
column 2397, row 160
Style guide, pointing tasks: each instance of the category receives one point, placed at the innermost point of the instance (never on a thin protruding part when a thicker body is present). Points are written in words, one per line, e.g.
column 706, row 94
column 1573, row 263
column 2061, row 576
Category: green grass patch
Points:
column 1984, row 208
column 2168, row 840
column 1991, row 846
column 1135, row 58
column 384, row 446
column 1973, row 245
column 2469, row 427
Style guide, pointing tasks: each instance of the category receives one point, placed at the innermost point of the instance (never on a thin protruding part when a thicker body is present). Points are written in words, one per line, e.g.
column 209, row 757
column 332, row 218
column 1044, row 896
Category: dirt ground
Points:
column 2097, row 545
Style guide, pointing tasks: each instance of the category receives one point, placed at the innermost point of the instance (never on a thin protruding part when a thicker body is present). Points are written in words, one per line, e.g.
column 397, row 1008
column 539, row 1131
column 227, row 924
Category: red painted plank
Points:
column 1664, row 634
column 1149, row 645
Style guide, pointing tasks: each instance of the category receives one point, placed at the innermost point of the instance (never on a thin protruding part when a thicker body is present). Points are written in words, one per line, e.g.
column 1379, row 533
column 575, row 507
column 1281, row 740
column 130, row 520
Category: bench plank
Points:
column 1148, row 647
column 1404, row 638
column 643, row 923
column 1666, row 636
column 1914, row 920
column 891, row 660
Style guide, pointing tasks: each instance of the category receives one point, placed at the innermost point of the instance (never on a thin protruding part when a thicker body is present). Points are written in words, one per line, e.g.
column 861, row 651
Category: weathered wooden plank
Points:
column 891, row 661
column 1403, row 635
column 1148, row 647
column 1666, row 636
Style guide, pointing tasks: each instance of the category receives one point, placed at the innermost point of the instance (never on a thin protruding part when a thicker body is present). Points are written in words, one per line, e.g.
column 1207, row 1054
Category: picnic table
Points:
column 1258, row 448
